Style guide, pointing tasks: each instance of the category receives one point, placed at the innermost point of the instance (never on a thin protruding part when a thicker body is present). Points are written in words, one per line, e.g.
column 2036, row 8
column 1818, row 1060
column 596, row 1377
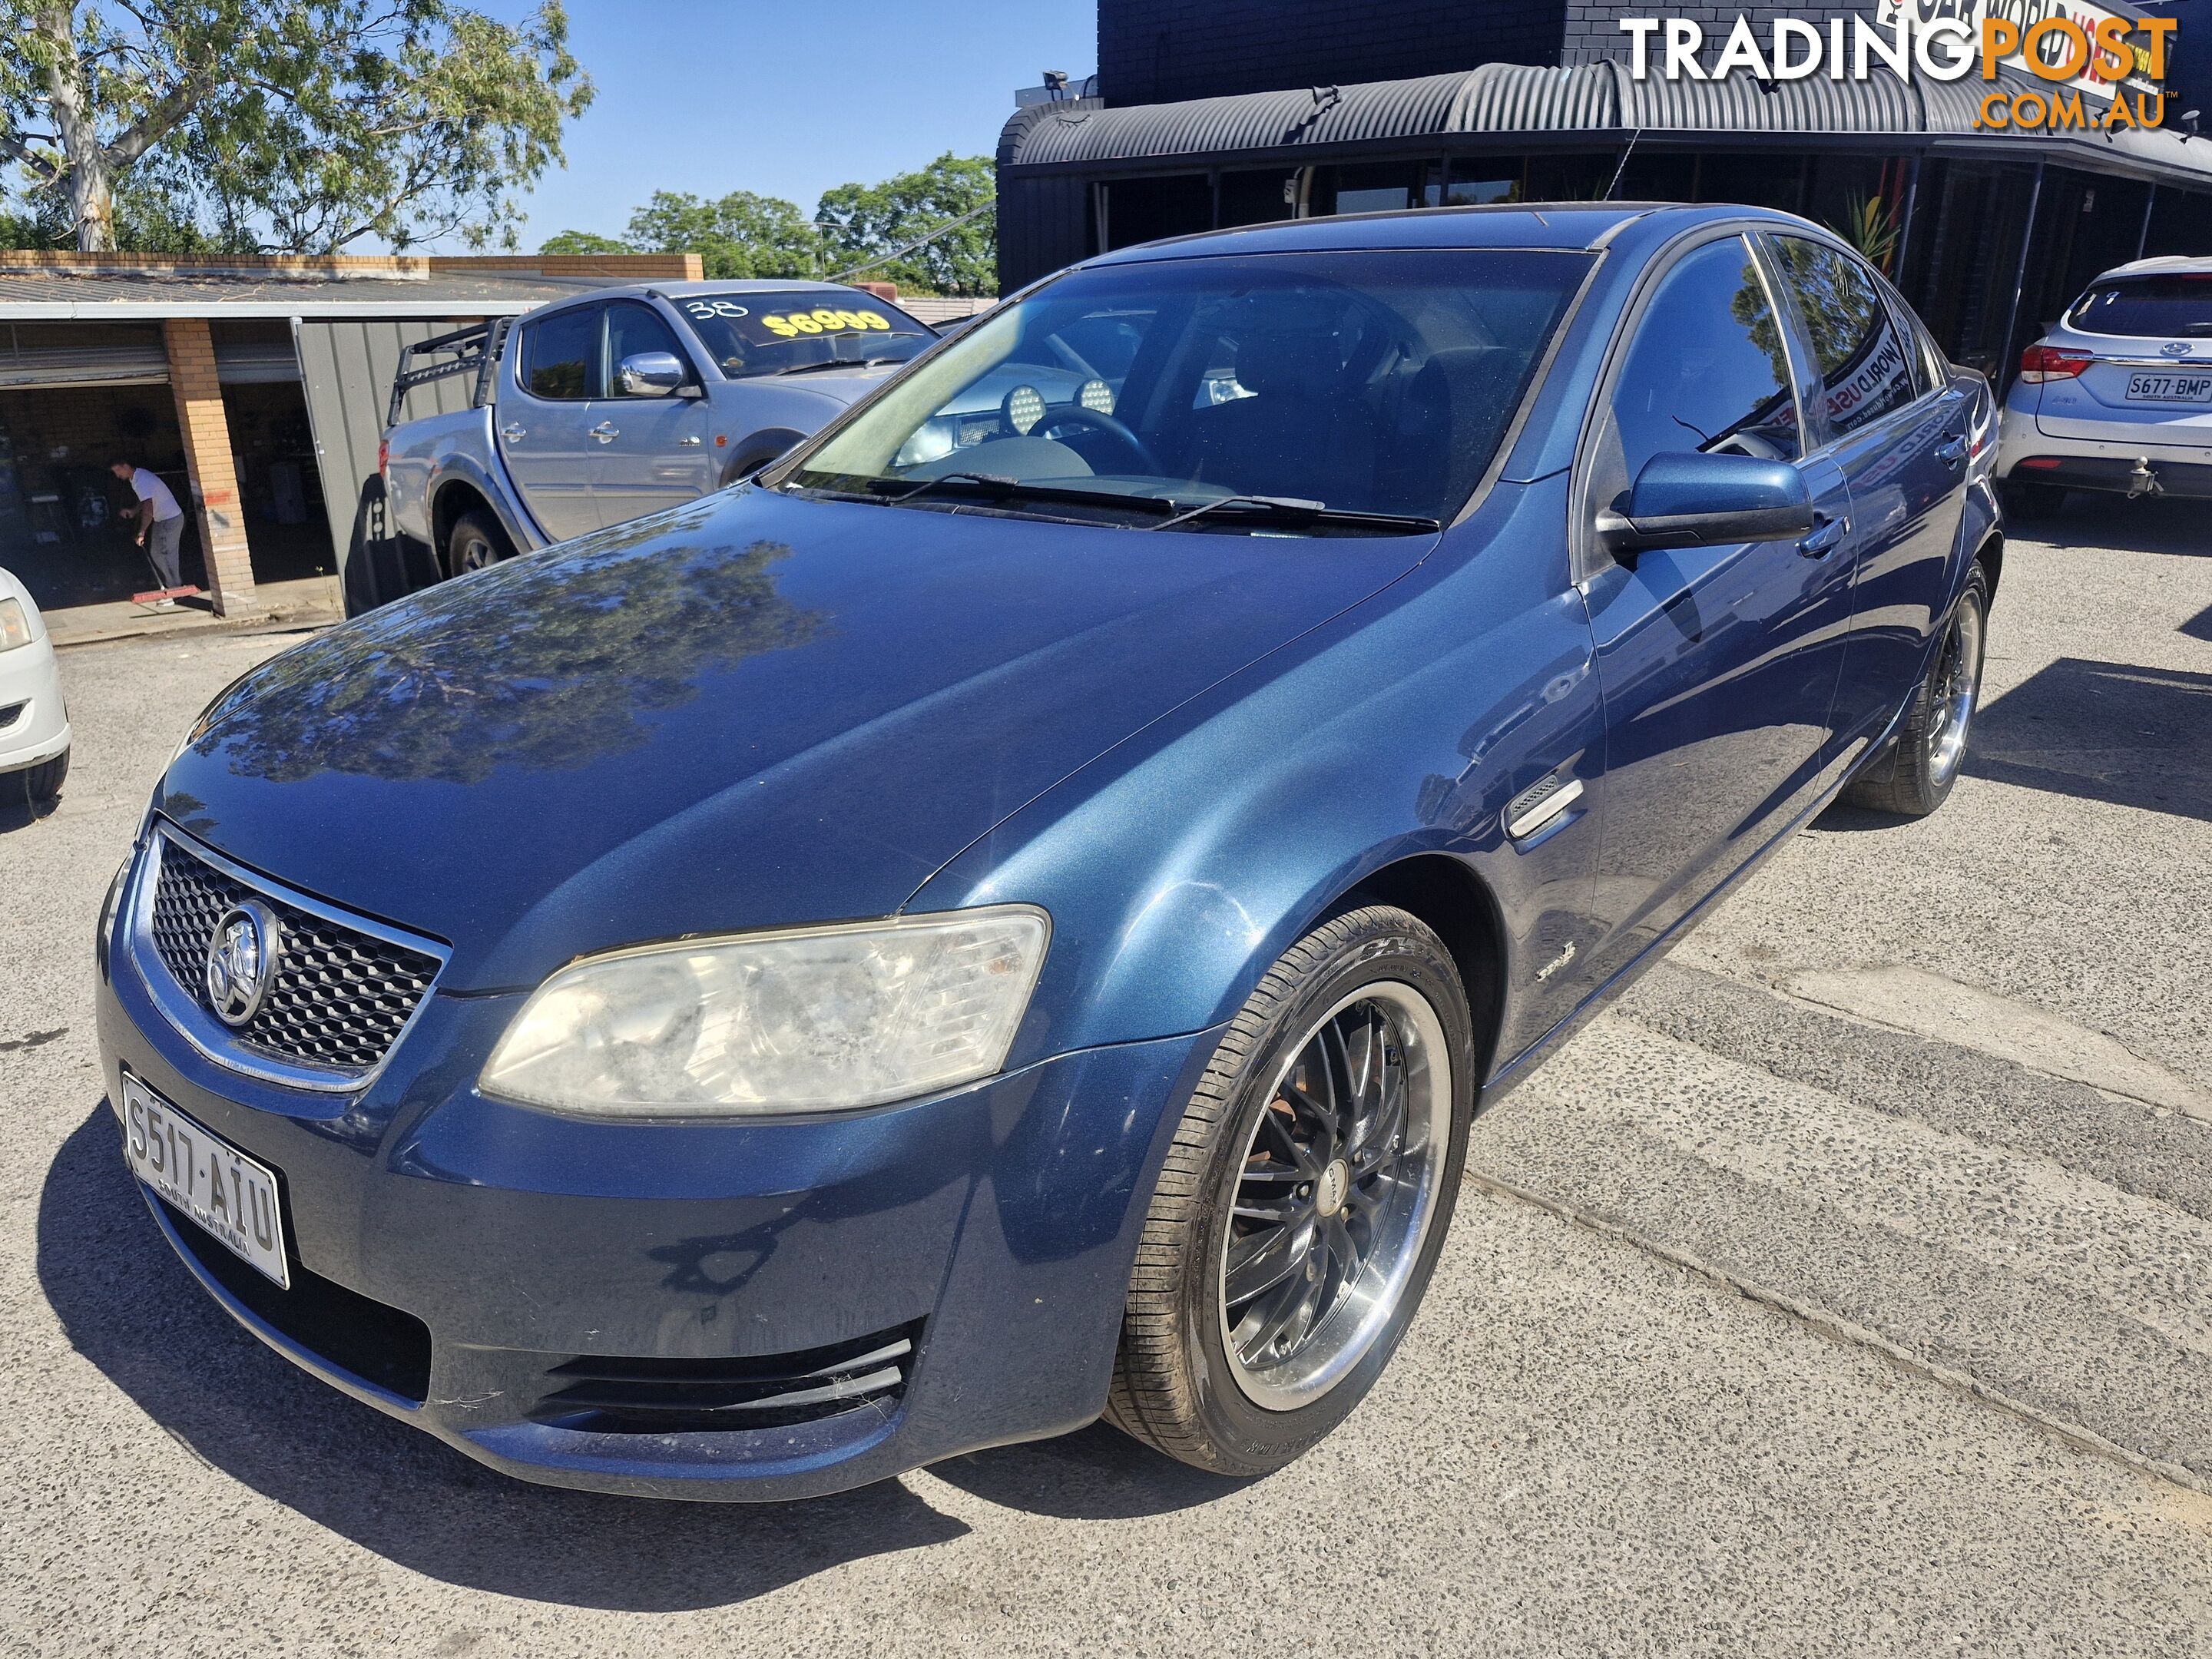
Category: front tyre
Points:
column 1932, row 744
column 1303, row 1201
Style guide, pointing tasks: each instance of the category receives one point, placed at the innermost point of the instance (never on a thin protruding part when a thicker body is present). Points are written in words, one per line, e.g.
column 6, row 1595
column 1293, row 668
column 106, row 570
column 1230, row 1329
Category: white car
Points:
column 2117, row 397
column 35, row 729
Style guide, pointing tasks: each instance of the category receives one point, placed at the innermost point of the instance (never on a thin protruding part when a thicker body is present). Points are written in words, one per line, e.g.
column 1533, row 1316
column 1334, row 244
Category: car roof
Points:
column 2165, row 265
column 747, row 285
column 1568, row 226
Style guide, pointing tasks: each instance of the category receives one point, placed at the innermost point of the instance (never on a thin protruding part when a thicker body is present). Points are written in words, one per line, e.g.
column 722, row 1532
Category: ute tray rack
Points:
column 473, row 350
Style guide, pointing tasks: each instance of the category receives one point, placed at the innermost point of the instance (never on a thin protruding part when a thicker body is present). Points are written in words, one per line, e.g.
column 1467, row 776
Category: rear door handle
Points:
column 691, row 442
column 1827, row 536
column 513, row 434
column 606, row 432
column 1953, row 453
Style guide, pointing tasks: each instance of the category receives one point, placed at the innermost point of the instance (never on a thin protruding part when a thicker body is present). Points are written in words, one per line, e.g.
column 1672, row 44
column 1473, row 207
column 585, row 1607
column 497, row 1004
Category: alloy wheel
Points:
column 1957, row 685
column 1334, row 1195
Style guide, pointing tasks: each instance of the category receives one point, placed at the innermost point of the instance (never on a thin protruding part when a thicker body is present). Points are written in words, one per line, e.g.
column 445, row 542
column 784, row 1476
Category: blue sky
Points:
column 788, row 99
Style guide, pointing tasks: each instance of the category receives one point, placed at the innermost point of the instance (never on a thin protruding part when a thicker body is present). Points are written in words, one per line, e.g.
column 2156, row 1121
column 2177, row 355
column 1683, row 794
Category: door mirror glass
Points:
column 650, row 374
column 1686, row 499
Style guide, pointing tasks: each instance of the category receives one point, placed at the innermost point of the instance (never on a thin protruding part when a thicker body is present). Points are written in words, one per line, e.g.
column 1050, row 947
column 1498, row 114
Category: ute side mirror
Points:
column 652, row 374
column 1696, row 500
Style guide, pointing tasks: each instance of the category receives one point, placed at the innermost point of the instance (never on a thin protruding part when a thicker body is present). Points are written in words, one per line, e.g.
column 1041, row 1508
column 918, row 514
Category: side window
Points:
column 1706, row 371
column 561, row 356
column 633, row 328
column 1865, row 359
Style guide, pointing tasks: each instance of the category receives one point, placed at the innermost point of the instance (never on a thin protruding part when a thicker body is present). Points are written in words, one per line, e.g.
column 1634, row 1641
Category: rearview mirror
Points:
column 650, row 374
column 1693, row 500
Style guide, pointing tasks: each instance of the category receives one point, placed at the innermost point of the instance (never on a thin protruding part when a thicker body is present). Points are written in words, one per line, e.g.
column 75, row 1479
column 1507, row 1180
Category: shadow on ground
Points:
column 2103, row 731
column 2098, row 521
column 132, row 1309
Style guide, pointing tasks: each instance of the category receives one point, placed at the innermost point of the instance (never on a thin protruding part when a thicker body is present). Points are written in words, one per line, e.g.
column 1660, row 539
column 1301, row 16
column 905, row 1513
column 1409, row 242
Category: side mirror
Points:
column 1692, row 500
column 650, row 374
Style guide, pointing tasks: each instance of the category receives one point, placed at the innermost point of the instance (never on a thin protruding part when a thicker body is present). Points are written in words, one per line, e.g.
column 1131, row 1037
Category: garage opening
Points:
column 75, row 396
column 72, row 397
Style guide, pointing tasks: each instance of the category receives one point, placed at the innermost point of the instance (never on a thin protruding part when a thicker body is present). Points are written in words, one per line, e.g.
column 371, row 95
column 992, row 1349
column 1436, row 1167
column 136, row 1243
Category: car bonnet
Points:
column 750, row 712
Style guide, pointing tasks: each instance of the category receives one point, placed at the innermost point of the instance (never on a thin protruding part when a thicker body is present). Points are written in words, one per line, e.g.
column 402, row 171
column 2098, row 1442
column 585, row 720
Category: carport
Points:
column 255, row 386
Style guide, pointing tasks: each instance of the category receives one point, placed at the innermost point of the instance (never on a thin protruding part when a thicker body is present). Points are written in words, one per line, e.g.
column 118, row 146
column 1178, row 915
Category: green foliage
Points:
column 746, row 236
column 303, row 125
column 875, row 221
column 583, row 241
column 1871, row 227
column 741, row 235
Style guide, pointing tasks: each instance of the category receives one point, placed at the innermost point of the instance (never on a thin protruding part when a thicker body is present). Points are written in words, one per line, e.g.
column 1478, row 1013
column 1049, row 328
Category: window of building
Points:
column 1145, row 209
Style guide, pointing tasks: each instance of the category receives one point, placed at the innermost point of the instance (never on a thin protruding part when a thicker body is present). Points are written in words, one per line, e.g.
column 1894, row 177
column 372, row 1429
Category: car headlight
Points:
column 15, row 626
column 811, row 1019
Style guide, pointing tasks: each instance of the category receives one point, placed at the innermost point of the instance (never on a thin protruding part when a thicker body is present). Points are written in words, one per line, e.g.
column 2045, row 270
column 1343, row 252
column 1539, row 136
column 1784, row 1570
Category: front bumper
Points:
column 454, row 1253
column 33, row 720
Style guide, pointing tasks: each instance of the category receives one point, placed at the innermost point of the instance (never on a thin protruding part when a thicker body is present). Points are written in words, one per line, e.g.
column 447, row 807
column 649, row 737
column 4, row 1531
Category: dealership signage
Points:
column 2087, row 67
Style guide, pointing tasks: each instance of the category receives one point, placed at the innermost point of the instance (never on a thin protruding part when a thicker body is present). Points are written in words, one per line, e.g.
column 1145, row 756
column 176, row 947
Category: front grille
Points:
column 340, row 996
column 12, row 714
column 343, row 1329
column 674, row 1396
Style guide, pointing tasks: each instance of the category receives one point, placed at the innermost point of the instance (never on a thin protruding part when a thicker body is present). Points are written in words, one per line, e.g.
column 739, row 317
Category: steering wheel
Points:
column 1078, row 414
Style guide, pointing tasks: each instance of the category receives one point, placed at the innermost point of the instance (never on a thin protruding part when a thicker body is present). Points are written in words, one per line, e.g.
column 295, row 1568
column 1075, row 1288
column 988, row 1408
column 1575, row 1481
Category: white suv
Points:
column 2119, row 396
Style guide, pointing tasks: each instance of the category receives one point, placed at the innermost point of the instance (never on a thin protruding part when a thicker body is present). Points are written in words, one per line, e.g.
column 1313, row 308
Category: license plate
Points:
column 2170, row 388
column 232, row 1197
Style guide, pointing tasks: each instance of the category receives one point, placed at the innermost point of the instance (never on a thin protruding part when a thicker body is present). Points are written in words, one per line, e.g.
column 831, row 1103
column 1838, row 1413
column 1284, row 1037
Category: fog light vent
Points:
column 620, row 1395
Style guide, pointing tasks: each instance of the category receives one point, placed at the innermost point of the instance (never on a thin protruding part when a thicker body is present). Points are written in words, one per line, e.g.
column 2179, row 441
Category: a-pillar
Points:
column 208, row 460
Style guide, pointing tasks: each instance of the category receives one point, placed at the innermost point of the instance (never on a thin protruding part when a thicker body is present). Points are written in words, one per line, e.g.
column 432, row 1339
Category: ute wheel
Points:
column 42, row 784
column 476, row 541
column 2027, row 501
column 1933, row 742
column 1303, row 1201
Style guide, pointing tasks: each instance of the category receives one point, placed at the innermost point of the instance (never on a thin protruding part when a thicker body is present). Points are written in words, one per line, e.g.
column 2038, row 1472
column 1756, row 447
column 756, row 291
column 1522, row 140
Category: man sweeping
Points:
column 161, row 524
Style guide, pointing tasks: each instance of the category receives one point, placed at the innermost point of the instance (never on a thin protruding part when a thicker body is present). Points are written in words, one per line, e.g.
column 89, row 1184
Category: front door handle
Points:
column 513, row 434
column 606, row 432
column 1953, row 453
column 1827, row 536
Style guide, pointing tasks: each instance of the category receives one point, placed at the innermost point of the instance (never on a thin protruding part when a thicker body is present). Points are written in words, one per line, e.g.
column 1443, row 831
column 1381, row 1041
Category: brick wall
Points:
column 206, row 434
column 1593, row 31
column 1163, row 51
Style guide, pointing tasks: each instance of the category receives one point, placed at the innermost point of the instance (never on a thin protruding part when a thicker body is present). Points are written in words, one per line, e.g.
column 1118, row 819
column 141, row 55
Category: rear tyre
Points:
column 2029, row 501
column 1303, row 1201
column 42, row 784
column 1932, row 746
column 474, row 542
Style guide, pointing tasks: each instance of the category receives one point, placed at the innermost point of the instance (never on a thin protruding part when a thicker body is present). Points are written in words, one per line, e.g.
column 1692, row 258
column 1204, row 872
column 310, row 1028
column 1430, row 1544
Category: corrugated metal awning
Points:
column 85, row 365
column 1602, row 99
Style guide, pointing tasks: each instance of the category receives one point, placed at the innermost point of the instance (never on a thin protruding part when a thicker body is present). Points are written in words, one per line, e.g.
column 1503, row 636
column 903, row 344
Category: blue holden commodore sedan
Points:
column 1007, row 915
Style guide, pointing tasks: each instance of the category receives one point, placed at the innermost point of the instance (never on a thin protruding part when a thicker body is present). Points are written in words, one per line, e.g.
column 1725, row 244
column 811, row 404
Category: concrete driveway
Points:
column 1847, row 1290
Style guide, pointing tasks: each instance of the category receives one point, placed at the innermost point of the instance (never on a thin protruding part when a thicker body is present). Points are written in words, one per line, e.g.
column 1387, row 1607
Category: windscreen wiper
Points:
column 999, row 487
column 1295, row 510
column 840, row 362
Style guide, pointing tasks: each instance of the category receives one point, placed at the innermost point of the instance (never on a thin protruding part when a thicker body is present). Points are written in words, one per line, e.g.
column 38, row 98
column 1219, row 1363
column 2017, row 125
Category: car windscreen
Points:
column 2148, row 307
column 751, row 334
column 1377, row 383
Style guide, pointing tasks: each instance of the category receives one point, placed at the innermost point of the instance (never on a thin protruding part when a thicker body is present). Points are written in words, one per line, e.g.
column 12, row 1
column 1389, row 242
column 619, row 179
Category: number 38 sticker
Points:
column 823, row 321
